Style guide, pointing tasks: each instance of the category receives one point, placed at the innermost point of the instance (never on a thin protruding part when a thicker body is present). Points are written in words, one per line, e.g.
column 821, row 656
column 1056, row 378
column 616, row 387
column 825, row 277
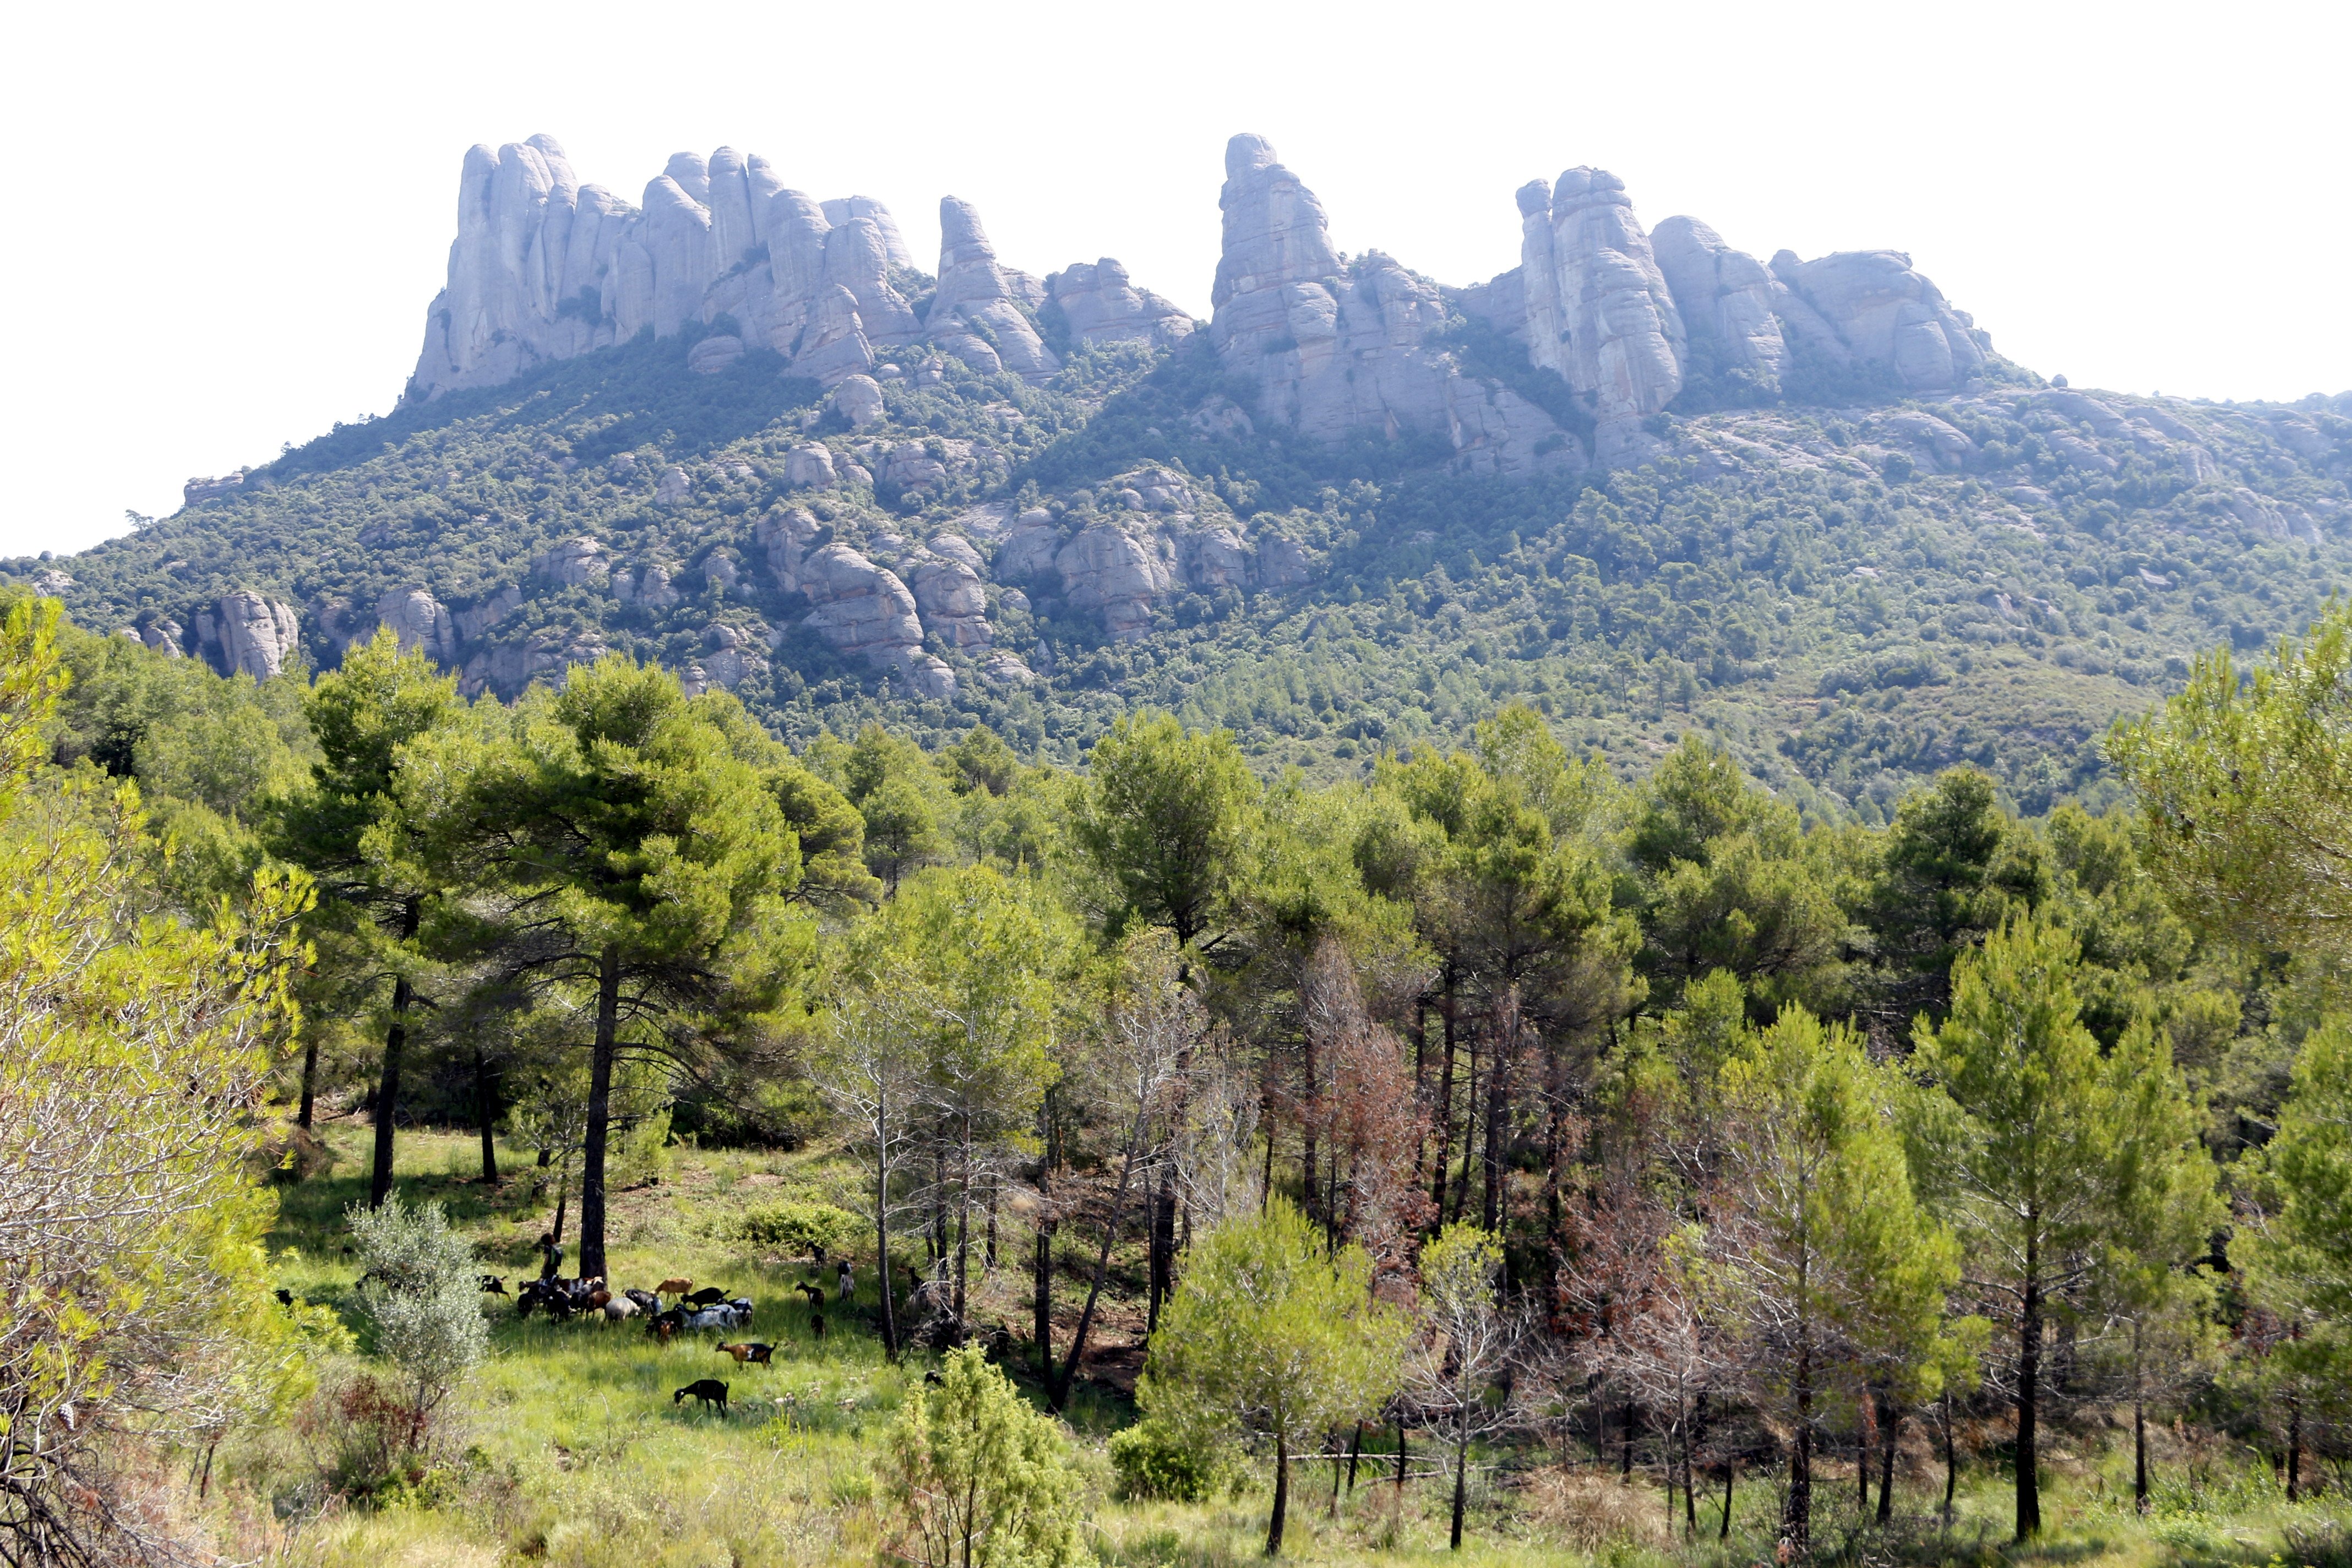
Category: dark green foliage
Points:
column 1848, row 625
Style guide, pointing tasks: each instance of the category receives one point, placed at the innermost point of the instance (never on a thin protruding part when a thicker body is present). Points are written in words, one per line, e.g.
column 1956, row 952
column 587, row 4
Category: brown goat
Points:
column 756, row 1353
column 672, row 1286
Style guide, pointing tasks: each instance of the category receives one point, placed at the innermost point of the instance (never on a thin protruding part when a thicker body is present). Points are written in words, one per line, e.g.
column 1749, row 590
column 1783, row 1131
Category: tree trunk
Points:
column 882, row 1231
column 1469, row 1132
column 1281, row 1495
column 1355, row 1452
column 1952, row 1461
column 2140, row 1420
column 1399, row 1457
column 600, row 1114
column 1862, row 1451
column 387, row 1090
column 1498, row 1116
column 1461, row 1480
column 563, row 1197
column 1057, row 1391
column 309, row 1078
column 1625, row 1436
column 1047, row 1223
column 1797, row 1518
column 2294, row 1448
column 1889, row 1419
column 2029, row 1392
column 1444, row 1104
column 1730, row 1469
column 486, row 1100
column 1690, row 1481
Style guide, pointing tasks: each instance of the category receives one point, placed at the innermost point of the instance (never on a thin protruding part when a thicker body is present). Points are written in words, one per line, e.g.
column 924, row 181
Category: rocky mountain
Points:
column 1643, row 479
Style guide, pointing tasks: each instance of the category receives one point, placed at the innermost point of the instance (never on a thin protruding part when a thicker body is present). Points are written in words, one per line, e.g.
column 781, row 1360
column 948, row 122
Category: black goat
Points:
column 709, row 1295
column 494, row 1285
column 815, row 1294
column 709, row 1390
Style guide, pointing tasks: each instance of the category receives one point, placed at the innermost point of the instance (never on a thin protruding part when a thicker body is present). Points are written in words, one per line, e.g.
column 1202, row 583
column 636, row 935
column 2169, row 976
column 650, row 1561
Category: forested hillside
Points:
column 1850, row 598
column 1491, row 1142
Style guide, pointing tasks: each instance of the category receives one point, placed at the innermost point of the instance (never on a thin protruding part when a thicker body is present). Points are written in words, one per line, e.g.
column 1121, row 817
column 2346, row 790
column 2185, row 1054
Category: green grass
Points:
column 570, row 1450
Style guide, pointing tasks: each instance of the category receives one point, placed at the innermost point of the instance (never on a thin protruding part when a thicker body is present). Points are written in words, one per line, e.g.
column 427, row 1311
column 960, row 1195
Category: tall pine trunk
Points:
column 1281, row 1495
column 2029, row 1390
column 485, row 1115
column 1047, row 1223
column 1889, row 1419
column 2140, row 1420
column 600, row 1114
column 310, row 1077
column 1461, row 1480
column 882, row 1229
column 387, row 1087
column 1444, row 1104
column 1797, row 1516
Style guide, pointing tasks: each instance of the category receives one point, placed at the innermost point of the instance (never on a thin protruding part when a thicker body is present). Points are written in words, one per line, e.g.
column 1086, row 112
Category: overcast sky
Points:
column 231, row 218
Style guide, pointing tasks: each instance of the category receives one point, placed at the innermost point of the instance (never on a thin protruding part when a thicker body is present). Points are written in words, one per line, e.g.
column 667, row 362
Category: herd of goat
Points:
column 709, row 1309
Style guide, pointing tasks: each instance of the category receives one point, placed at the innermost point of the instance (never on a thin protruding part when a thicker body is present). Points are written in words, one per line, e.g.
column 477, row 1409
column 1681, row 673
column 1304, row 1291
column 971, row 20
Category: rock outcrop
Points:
column 973, row 314
column 1599, row 312
column 1725, row 298
column 1099, row 304
column 1887, row 315
column 243, row 633
column 545, row 267
column 865, row 611
column 1109, row 571
column 420, row 621
column 1335, row 349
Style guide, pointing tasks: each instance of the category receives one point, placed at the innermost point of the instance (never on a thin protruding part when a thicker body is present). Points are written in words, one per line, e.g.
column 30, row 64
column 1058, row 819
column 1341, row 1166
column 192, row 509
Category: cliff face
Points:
column 545, row 268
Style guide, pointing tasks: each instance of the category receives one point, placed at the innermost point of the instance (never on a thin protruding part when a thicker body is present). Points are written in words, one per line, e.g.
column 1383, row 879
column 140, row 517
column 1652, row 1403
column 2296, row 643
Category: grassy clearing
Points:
column 571, row 1450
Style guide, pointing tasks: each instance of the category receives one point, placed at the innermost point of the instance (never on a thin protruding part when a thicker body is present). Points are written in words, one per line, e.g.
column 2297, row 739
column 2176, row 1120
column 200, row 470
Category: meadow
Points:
column 569, row 1449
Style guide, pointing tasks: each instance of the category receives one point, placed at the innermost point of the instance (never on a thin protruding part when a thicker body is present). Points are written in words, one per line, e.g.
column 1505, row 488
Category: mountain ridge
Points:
column 1802, row 503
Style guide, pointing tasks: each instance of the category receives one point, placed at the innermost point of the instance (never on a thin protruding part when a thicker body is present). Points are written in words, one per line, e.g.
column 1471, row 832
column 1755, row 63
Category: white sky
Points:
column 230, row 218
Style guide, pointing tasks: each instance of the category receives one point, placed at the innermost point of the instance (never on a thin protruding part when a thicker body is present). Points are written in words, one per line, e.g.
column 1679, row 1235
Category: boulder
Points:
column 858, row 399
column 198, row 490
column 574, row 562
column 953, row 547
column 242, row 633
column 166, row 637
column 1100, row 305
column 1006, row 670
column 1598, row 309
column 1029, row 547
column 810, row 465
column 673, row 487
column 783, row 538
column 1107, row 570
column 861, row 608
column 420, row 621
column 1336, row 350
column 1214, row 558
column 1283, row 562
column 714, row 354
column 954, row 605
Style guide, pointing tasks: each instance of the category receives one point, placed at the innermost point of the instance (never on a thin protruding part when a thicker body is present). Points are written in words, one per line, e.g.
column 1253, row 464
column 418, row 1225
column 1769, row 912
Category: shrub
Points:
column 423, row 1299
column 1153, row 1463
column 797, row 1227
column 975, row 1476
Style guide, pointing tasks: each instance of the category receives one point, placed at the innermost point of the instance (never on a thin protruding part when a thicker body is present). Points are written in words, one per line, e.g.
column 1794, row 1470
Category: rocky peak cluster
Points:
column 1338, row 346
column 545, row 267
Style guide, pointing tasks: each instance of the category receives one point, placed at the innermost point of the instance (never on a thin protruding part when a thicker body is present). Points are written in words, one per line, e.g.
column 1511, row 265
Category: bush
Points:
column 423, row 1297
column 797, row 1227
column 640, row 1154
column 1152, row 1463
column 972, row 1465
